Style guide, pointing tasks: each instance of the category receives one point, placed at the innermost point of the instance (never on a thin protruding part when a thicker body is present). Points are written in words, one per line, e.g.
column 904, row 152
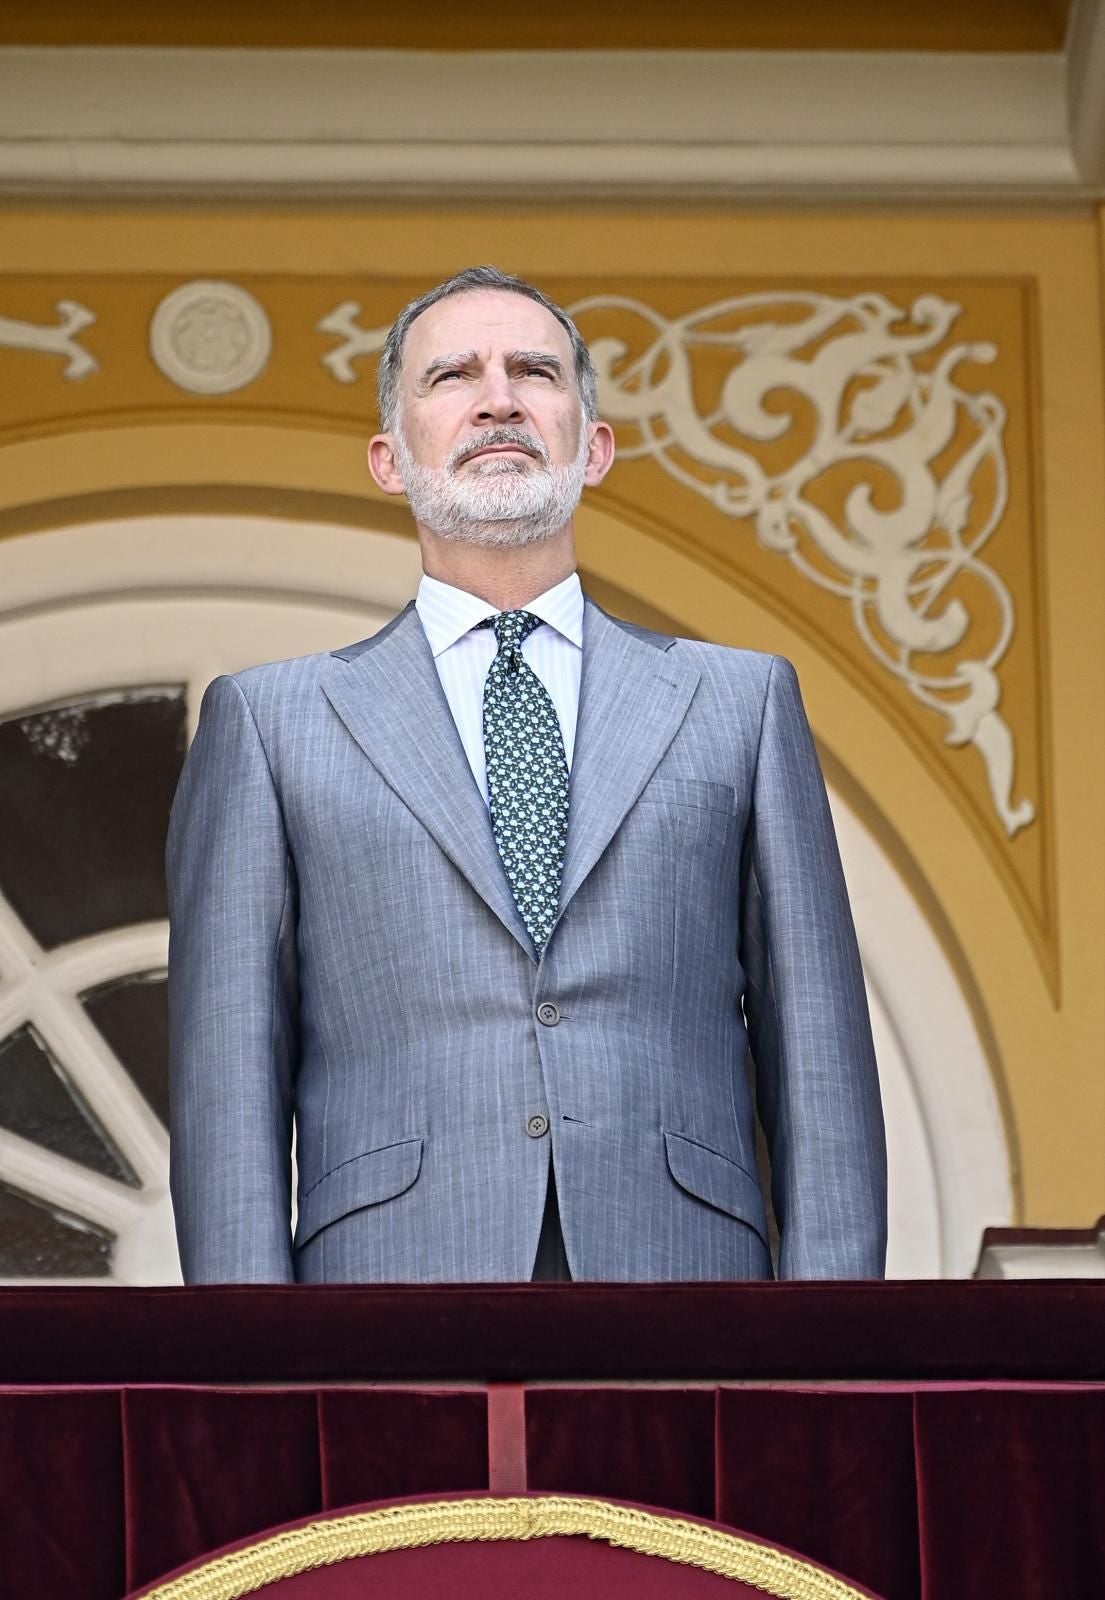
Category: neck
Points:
column 506, row 579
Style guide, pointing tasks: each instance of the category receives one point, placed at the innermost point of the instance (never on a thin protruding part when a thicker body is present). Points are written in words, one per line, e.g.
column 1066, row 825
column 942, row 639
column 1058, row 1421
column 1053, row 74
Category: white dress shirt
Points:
column 463, row 652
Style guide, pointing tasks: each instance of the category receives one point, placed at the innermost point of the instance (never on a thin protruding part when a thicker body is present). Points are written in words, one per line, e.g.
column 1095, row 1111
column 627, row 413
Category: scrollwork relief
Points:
column 54, row 341
column 921, row 456
column 356, row 341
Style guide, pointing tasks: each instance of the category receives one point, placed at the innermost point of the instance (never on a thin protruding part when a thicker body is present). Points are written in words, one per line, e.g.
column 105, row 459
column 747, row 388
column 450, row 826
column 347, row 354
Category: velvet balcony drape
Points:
column 923, row 1488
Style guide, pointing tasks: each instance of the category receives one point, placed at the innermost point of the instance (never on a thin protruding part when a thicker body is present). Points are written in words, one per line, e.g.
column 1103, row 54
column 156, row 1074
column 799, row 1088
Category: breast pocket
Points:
column 691, row 824
column 700, row 794
column 686, row 847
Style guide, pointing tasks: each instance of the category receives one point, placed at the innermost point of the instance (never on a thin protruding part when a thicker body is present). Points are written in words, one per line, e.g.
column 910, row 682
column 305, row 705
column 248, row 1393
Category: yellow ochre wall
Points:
column 1022, row 918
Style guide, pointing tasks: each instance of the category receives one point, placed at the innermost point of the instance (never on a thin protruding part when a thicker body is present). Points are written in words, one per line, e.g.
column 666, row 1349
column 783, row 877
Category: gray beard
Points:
column 502, row 503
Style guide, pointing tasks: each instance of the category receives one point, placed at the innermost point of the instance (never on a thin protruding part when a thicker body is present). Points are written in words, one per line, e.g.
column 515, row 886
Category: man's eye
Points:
column 454, row 372
column 538, row 372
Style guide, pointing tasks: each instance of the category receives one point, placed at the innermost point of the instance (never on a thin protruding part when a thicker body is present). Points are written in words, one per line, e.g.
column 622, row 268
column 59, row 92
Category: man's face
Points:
column 487, row 359
column 491, row 445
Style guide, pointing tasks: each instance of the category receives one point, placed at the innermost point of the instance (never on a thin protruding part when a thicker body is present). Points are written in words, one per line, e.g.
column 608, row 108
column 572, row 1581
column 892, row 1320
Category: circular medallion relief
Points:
column 210, row 338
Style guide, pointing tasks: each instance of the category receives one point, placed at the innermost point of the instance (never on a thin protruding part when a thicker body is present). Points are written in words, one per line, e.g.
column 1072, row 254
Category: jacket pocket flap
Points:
column 701, row 792
column 712, row 1177
column 366, row 1180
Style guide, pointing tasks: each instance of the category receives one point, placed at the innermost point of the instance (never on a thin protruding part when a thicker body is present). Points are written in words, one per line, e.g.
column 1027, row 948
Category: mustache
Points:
column 498, row 436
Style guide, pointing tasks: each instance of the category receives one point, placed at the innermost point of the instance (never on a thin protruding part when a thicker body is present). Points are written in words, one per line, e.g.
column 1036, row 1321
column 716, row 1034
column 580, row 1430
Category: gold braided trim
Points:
column 409, row 1527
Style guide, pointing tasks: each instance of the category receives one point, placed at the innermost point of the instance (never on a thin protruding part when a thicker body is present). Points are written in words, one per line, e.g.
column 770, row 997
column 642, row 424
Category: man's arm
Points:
column 232, row 1003
column 816, row 1080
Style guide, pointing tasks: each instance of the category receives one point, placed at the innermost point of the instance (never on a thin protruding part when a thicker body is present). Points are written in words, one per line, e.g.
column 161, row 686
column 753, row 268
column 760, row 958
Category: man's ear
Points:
column 600, row 456
column 383, row 464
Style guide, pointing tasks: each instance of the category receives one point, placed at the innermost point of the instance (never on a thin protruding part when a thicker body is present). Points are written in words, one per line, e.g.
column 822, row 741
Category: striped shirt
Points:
column 463, row 652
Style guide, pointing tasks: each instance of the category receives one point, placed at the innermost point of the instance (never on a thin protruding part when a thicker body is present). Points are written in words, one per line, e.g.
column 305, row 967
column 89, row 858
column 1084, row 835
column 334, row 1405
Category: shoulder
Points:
column 303, row 673
column 759, row 687
column 720, row 662
column 268, row 694
column 292, row 672
column 730, row 661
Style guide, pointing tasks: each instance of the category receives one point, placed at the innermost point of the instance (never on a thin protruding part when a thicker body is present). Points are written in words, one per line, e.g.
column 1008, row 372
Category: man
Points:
column 493, row 902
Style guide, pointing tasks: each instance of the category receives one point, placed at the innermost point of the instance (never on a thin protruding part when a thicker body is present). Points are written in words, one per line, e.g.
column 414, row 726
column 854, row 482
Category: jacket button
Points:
column 548, row 1014
column 537, row 1125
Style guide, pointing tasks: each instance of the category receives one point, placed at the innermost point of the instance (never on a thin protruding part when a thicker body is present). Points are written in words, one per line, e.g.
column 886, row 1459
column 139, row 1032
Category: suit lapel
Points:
column 633, row 696
column 387, row 692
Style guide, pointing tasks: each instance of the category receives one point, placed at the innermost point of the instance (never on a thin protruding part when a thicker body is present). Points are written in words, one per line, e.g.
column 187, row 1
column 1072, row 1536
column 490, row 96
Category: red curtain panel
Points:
column 958, row 1493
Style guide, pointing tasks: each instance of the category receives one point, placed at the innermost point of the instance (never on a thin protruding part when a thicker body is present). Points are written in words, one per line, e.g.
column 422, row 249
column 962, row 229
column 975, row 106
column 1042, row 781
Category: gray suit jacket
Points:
column 345, row 949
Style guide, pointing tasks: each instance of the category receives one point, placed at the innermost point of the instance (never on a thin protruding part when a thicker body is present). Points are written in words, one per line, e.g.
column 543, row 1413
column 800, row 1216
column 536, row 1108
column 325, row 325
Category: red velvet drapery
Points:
column 922, row 1488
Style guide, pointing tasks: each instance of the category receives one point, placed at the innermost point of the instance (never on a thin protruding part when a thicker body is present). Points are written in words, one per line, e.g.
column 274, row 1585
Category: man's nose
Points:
column 498, row 400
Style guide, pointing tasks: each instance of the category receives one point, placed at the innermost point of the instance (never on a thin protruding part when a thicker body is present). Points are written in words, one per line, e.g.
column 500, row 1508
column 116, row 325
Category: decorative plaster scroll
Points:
column 867, row 422
column 342, row 321
column 847, row 364
column 57, row 341
column 210, row 338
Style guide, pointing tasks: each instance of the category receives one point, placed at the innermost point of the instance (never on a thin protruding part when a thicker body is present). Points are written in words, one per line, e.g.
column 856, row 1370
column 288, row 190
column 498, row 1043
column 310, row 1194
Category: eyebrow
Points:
column 535, row 358
column 459, row 358
column 471, row 358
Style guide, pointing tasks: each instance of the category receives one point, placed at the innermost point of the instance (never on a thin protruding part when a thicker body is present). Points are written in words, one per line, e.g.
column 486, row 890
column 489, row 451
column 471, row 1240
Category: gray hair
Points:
column 465, row 282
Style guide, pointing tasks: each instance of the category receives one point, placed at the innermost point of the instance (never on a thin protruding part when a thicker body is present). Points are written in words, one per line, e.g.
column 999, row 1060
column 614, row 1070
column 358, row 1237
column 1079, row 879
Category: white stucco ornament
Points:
column 356, row 341
column 210, row 338
column 59, row 340
column 853, row 383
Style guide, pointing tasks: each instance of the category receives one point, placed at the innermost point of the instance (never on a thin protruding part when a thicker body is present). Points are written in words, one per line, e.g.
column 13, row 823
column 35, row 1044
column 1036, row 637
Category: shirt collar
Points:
column 447, row 613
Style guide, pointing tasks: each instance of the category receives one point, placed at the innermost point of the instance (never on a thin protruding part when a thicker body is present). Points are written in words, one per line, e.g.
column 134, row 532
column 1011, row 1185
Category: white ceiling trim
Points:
column 685, row 124
column 1085, row 63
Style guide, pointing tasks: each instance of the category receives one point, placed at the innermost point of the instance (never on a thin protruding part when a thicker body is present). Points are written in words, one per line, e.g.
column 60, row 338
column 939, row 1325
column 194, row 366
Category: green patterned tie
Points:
column 527, row 776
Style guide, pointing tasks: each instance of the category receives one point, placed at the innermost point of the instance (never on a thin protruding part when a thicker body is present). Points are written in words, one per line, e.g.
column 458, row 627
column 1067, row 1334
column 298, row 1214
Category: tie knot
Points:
column 511, row 628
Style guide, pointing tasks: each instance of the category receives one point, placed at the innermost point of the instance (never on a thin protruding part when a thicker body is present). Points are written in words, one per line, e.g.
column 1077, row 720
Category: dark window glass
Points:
column 133, row 1016
column 39, row 1241
column 39, row 1103
column 85, row 792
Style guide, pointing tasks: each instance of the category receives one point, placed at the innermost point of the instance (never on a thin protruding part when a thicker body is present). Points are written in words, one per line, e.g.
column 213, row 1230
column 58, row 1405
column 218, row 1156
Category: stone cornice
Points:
column 747, row 126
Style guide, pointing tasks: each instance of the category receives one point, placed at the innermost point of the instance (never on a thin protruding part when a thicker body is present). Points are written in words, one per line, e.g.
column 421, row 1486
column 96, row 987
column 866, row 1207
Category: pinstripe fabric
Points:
column 345, row 947
column 463, row 652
